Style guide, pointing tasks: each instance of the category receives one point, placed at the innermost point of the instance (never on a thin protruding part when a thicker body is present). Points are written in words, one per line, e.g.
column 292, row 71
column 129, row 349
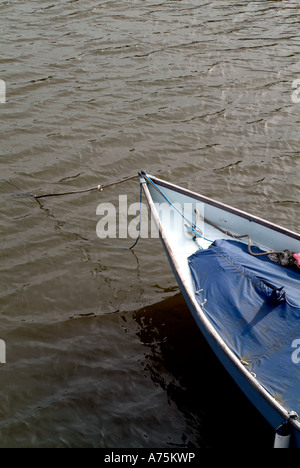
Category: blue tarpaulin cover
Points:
column 254, row 304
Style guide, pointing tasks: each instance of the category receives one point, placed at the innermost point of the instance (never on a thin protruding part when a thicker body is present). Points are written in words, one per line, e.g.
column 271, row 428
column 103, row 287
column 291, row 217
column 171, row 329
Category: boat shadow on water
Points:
column 181, row 362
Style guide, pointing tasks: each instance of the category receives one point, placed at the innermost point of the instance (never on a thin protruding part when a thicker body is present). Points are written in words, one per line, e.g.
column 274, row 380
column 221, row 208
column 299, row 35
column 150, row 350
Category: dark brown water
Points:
column 101, row 349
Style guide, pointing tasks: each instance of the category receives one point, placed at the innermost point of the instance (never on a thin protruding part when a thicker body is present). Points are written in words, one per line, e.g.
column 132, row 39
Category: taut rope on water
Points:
column 100, row 188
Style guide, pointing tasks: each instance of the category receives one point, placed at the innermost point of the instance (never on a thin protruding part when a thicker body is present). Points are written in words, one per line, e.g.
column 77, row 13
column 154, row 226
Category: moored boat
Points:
column 240, row 277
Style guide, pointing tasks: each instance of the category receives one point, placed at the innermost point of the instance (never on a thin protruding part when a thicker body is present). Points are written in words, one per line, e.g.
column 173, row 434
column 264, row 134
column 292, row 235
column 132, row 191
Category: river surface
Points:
column 101, row 350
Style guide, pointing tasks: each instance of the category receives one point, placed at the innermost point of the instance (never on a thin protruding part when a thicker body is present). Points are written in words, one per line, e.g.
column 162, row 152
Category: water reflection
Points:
column 178, row 359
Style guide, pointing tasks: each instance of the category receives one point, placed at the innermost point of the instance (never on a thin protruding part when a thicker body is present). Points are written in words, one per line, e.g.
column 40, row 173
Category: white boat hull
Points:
column 166, row 201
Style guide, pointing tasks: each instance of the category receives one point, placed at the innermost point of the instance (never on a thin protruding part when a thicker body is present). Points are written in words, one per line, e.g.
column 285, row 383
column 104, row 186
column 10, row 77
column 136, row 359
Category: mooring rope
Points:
column 100, row 188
